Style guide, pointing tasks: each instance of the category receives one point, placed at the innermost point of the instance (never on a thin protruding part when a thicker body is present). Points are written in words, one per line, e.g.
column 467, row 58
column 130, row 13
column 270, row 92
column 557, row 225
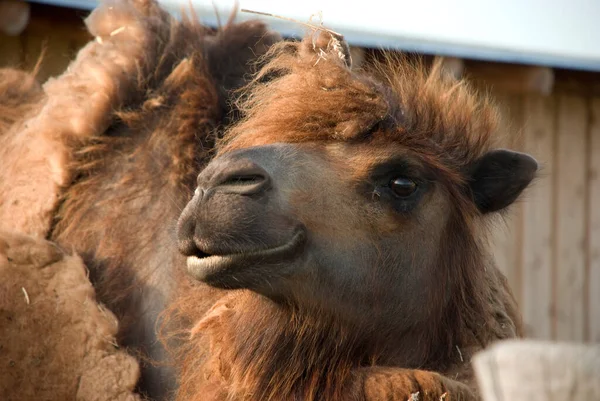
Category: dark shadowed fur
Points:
column 248, row 347
column 132, row 183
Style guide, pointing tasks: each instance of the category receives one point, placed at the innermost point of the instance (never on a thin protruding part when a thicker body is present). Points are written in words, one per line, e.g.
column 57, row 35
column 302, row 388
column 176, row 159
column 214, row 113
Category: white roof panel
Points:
column 560, row 33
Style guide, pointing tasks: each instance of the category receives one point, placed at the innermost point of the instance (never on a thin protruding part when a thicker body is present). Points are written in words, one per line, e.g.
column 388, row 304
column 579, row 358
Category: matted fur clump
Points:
column 56, row 341
column 40, row 128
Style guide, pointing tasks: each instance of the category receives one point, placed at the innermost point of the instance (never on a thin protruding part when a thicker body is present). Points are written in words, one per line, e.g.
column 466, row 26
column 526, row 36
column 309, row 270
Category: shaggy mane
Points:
column 305, row 94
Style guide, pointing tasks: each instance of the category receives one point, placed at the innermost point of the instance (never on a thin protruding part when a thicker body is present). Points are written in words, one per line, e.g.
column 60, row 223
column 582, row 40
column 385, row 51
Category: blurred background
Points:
column 540, row 59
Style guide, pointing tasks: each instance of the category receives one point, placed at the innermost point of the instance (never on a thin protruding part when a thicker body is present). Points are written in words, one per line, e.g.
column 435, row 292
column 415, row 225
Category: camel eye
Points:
column 403, row 187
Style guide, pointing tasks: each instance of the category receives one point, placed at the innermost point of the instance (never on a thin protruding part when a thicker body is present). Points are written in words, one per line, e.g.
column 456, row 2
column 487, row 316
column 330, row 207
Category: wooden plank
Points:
column 586, row 83
column 537, row 301
column 506, row 242
column 501, row 244
column 570, row 192
column 538, row 370
column 60, row 31
column 511, row 78
column 593, row 210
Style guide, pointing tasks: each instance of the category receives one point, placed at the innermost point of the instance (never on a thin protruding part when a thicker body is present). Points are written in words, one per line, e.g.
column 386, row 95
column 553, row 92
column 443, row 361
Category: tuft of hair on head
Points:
column 429, row 110
column 325, row 42
column 342, row 104
column 434, row 106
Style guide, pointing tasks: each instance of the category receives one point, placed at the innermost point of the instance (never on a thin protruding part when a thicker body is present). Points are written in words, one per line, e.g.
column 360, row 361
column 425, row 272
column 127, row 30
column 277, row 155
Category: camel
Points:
column 149, row 94
column 340, row 235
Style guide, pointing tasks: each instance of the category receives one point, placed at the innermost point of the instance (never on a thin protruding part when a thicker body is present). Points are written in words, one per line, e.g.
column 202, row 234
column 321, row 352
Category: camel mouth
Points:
column 214, row 268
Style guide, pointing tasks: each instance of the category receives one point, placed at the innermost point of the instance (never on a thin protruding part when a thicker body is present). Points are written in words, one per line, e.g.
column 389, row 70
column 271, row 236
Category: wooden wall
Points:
column 59, row 32
column 548, row 246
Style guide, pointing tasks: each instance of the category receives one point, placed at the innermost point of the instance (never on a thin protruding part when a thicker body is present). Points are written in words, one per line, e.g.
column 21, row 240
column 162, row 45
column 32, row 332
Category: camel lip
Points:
column 207, row 268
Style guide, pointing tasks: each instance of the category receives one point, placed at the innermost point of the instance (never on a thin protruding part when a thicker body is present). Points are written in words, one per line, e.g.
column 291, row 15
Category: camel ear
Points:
column 499, row 177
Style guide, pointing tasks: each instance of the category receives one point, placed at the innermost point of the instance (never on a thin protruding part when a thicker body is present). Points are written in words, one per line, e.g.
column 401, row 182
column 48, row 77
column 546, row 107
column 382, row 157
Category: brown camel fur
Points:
column 73, row 109
column 131, row 181
column 41, row 130
column 20, row 93
column 57, row 341
column 343, row 230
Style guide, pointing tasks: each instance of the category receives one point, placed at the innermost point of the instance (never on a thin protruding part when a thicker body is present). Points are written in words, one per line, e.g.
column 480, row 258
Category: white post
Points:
column 530, row 370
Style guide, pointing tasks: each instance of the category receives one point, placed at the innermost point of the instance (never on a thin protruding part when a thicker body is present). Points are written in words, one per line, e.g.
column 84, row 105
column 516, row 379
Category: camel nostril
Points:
column 243, row 179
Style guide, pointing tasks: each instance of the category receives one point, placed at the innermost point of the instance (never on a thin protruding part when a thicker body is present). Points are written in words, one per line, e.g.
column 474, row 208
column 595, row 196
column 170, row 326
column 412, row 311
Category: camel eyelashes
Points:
column 244, row 180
